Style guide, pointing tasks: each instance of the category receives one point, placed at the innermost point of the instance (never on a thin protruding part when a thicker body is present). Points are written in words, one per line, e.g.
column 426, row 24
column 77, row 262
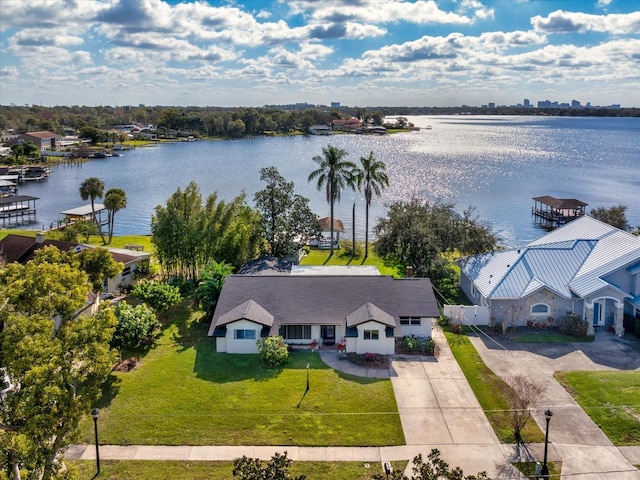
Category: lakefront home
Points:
column 586, row 267
column 360, row 313
column 21, row 249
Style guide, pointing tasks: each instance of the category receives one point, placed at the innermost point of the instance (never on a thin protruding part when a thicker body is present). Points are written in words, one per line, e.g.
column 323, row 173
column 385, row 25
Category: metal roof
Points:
column 84, row 210
column 334, row 270
column 575, row 259
column 560, row 203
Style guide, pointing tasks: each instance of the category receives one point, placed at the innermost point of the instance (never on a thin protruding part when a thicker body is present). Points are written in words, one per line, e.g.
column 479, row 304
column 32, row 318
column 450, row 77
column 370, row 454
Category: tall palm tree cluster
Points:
column 114, row 200
column 335, row 173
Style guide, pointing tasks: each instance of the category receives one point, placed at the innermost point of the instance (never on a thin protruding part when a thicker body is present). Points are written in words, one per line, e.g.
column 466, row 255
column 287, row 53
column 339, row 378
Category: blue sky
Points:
column 356, row 52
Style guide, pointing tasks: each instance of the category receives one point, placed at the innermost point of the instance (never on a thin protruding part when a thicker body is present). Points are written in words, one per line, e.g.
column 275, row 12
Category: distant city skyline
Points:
column 431, row 53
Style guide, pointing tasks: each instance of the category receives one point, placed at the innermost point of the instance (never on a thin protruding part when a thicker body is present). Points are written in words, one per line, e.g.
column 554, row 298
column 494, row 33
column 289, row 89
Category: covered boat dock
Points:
column 551, row 212
column 18, row 209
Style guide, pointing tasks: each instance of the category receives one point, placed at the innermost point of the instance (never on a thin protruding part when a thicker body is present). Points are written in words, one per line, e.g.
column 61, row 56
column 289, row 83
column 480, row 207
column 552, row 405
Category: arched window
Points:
column 540, row 309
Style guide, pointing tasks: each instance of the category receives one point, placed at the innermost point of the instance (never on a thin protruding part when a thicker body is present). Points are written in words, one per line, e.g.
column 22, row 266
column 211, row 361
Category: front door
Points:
column 328, row 334
column 597, row 314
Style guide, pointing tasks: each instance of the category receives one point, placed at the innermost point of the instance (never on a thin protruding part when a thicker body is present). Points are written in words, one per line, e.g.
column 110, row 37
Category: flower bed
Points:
column 369, row 360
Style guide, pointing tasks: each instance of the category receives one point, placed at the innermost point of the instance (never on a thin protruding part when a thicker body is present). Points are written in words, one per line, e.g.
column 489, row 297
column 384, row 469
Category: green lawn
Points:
column 324, row 257
column 184, row 393
column 549, row 337
column 489, row 389
column 169, row 470
column 610, row 399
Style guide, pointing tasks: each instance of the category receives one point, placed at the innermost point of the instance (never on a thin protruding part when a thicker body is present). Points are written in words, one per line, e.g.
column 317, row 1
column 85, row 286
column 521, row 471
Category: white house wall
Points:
column 416, row 330
column 383, row 345
column 242, row 346
column 221, row 344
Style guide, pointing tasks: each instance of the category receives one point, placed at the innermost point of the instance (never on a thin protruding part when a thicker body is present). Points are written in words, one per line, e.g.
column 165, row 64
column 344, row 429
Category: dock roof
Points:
column 560, row 203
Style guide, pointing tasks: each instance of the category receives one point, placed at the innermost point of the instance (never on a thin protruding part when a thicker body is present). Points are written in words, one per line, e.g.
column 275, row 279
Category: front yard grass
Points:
column 490, row 390
column 170, row 470
column 184, row 393
column 610, row 399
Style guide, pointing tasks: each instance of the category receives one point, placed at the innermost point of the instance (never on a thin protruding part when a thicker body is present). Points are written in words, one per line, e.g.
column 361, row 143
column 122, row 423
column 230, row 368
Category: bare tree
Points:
column 523, row 393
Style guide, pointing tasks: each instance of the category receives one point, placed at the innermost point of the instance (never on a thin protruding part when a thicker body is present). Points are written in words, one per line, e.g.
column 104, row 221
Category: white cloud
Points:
column 380, row 12
column 566, row 22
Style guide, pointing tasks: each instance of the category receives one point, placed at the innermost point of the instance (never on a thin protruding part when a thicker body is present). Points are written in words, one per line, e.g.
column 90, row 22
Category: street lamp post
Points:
column 308, row 376
column 94, row 413
column 545, row 469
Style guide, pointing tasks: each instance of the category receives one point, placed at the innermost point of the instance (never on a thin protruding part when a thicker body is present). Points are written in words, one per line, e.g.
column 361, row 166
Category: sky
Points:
column 357, row 52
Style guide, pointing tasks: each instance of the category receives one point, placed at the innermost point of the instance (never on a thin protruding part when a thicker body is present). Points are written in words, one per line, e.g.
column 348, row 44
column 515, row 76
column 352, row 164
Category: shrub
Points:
column 572, row 324
column 160, row 296
column 273, row 352
column 444, row 321
column 135, row 325
column 348, row 249
column 456, row 327
column 186, row 287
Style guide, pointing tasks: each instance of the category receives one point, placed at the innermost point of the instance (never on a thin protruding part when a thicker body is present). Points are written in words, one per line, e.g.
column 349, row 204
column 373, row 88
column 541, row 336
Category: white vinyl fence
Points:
column 468, row 315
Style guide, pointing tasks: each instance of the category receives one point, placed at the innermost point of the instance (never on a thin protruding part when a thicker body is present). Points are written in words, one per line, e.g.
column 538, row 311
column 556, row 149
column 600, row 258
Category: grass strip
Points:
column 490, row 390
column 550, row 337
column 170, row 470
column 610, row 399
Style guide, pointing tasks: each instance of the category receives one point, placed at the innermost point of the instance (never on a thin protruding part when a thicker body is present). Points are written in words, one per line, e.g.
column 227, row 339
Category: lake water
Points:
column 496, row 164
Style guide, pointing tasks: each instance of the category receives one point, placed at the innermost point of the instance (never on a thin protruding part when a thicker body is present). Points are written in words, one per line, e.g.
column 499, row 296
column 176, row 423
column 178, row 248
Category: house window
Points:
column 244, row 334
column 126, row 271
column 416, row 321
column 540, row 309
column 371, row 334
column 296, row 332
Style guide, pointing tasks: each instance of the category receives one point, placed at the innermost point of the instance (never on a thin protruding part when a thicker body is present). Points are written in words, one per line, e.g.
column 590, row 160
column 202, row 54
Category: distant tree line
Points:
column 243, row 121
column 94, row 122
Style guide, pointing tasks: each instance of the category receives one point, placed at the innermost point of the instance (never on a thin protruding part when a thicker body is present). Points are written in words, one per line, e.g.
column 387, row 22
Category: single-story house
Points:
column 20, row 248
column 586, row 267
column 366, row 313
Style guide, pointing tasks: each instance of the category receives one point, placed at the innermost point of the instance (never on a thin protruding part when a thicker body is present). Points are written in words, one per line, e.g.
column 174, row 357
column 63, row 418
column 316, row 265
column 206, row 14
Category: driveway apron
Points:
column 436, row 403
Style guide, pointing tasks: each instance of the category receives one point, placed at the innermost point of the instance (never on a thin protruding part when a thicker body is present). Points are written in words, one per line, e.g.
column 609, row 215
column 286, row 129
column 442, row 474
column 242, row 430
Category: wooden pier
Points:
column 550, row 212
column 17, row 210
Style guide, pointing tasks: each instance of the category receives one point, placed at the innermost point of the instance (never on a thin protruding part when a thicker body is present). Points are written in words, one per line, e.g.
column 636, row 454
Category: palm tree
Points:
column 334, row 173
column 114, row 200
column 93, row 188
column 374, row 178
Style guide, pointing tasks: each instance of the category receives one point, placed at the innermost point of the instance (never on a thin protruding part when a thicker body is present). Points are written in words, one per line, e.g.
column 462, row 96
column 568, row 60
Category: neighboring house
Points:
column 44, row 140
column 367, row 313
column 319, row 130
column 20, row 248
column 585, row 266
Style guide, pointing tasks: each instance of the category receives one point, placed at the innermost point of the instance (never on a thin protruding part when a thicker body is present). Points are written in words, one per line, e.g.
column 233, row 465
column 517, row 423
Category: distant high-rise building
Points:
column 335, row 104
column 492, row 105
column 575, row 104
column 526, row 103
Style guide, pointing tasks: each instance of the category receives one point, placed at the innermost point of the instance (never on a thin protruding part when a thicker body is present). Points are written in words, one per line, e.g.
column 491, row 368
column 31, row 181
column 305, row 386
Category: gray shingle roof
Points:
column 325, row 300
column 249, row 310
column 368, row 312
